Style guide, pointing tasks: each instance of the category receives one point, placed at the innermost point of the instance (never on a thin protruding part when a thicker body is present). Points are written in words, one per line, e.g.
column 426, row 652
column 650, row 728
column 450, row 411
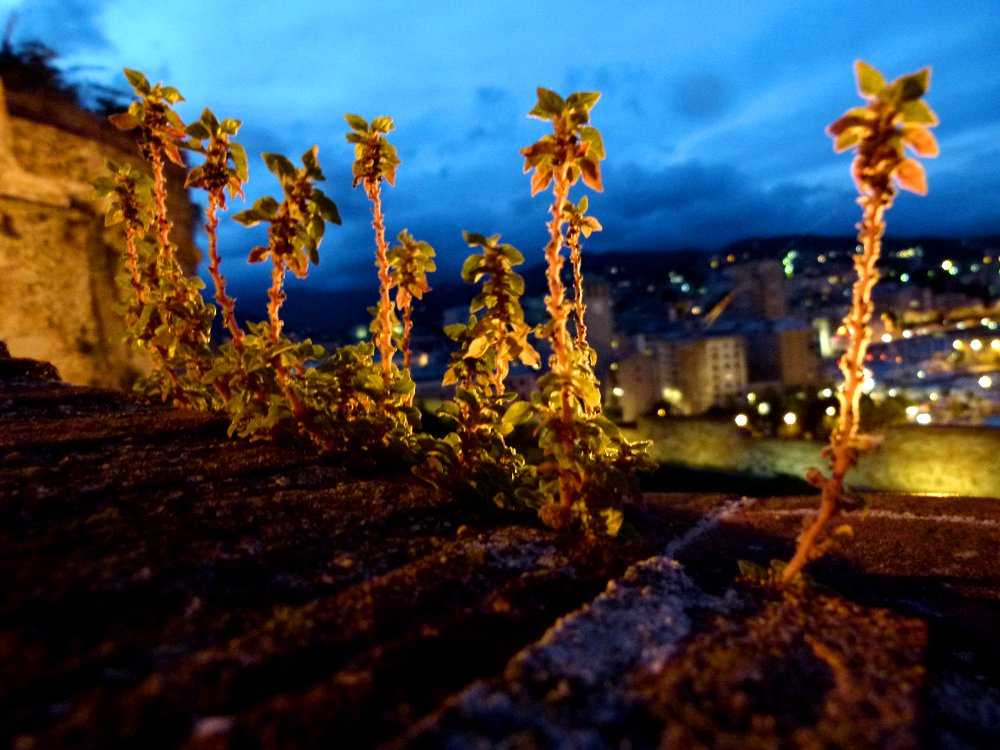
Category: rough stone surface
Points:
column 167, row 587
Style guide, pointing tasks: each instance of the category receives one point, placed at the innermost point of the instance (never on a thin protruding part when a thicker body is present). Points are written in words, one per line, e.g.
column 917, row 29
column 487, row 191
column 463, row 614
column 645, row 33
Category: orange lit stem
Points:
column 384, row 332
column 227, row 304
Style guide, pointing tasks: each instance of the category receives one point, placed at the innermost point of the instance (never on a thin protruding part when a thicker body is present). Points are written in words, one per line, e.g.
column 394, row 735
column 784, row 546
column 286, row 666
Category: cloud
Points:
column 68, row 26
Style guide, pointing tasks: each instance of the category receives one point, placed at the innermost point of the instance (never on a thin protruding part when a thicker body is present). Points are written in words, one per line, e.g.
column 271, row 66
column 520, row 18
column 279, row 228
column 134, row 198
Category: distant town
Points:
column 753, row 331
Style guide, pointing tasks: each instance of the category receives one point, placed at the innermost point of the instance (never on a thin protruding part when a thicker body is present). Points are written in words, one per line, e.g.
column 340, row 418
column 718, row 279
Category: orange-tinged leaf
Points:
column 540, row 180
column 124, row 120
column 591, row 174
column 173, row 153
column 911, row 176
column 921, row 140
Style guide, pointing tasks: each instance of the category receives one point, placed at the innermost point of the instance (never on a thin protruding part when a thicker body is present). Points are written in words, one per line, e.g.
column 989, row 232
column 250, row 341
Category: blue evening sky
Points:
column 713, row 111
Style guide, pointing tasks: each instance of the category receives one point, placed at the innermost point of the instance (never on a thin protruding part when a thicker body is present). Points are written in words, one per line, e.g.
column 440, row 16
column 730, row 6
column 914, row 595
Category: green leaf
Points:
column 550, row 104
column 518, row 413
column 310, row 160
column 911, row 87
column 248, row 218
column 266, row 206
column 210, row 121
column 230, row 127
column 871, row 83
column 382, row 125
column 455, row 330
column 240, row 166
column 356, row 122
column 198, row 131
column 477, row 348
column 279, row 165
column 918, row 113
column 471, row 268
column 137, row 80
column 171, row 95
column 326, row 207
column 583, row 99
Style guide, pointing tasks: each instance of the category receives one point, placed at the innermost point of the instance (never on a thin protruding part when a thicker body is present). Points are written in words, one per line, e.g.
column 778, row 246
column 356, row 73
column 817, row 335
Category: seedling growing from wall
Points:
column 588, row 466
column 224, row 169
column 375, row 161
column 894, row 119
column 296, row 227
column 476, row 455
column 176, row 323
column 409, row 263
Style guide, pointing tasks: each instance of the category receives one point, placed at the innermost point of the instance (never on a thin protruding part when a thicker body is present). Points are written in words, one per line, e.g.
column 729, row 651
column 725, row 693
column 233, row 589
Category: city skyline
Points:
column 713, row 118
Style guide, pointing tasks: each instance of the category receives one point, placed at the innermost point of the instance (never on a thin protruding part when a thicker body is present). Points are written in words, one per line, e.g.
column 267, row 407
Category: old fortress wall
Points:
column 57, row 260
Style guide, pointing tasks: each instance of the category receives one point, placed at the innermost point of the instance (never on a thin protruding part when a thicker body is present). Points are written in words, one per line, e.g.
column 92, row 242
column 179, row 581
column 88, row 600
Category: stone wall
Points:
column 911, row 459
column 57, row 261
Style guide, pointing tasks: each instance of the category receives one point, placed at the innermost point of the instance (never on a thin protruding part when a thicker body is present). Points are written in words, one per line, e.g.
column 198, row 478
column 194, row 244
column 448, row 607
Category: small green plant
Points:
column 224, row 169
column 588, row 465
column 375, row 161
column 476, row 458
column 409, row 263
column 296, row 227
column 174, row 321
column 894, row 119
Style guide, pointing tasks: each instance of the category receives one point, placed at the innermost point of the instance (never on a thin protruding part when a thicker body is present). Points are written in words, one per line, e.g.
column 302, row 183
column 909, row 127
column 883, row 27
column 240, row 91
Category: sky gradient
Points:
column 713, row 112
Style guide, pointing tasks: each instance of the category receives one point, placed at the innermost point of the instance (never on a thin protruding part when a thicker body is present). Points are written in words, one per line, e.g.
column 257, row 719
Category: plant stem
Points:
column 384, row 333
column 555, row 302
column 843, row 450
column 226, row 303
column 405, row 300
column 275, row 296
column 163, row 223
column 579, row 308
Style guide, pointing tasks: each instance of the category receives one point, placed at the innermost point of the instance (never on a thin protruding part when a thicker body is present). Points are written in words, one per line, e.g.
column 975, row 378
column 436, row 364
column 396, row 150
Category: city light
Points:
column 742, row 420
column 831, row 411
column 886, row 338
column 985, row 381
column 912, row 411
column 826, row 393
column 763, row 408
column 923, row 418
column 618, row 391
column 790, row 419
column 956, row 344
column 975, row 345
